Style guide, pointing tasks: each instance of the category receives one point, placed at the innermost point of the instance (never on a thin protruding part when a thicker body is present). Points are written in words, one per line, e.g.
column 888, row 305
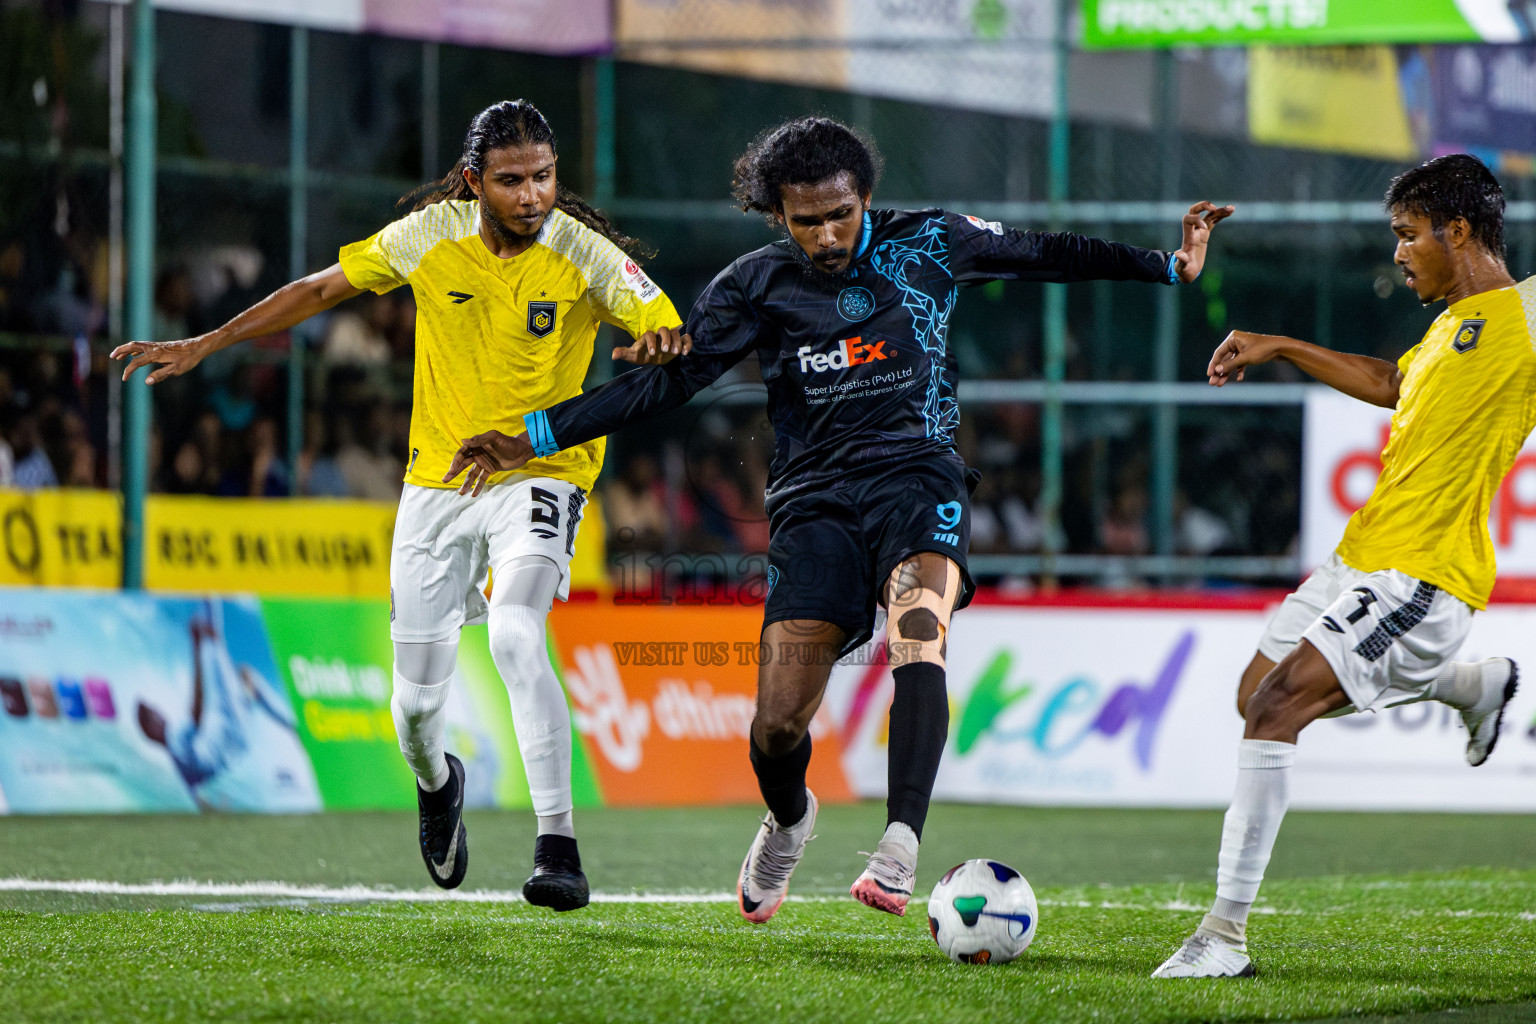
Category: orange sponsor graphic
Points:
column 663, row 698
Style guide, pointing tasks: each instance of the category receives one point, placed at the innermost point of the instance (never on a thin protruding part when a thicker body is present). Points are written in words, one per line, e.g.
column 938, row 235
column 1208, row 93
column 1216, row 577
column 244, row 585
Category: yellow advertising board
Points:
column 271, row 547
column 264, row 546
column 1342, row 99
column 60, row 538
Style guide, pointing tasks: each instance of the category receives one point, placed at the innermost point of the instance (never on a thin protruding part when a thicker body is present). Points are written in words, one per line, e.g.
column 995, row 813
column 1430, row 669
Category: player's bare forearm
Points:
column 1370, row 380
column 289, row 305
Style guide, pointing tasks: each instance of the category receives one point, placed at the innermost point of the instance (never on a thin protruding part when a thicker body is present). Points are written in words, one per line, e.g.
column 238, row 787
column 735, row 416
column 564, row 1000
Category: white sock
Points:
column 423, row 673
column 419, row 722
column 901, row 834
column 1252, row 822
column 539, row 712
column 557, row 825
column 1460, row 684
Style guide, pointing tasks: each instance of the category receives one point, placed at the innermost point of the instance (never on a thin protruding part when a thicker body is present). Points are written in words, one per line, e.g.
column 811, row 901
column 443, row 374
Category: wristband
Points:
column 540, row 436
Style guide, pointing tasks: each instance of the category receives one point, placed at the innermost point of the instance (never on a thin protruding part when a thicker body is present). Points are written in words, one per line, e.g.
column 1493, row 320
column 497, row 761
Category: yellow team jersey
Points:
column 499, row 338
column 1467, row 404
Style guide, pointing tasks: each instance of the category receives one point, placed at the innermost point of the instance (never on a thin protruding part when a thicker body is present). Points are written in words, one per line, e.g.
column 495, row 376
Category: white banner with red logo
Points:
column 1342, row 441
column 1125, row 708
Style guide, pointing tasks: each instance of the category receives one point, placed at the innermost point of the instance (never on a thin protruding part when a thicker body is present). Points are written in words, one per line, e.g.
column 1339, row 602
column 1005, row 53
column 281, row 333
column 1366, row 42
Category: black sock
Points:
column 919, row 726
column 550, row 847
column 781, row 780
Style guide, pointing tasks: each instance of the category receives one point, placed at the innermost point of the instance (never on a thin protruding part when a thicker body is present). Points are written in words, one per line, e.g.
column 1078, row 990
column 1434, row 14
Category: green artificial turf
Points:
column 1362, row 916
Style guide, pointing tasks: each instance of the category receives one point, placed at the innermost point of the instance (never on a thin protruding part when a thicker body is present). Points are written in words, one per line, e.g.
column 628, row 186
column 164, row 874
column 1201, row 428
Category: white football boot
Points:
column 1501, row 678
column 771, row 859
column 888, row 880
column 1207, row 956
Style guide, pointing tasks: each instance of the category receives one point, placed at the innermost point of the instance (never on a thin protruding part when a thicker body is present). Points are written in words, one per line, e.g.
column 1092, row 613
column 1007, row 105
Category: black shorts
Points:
column 830, row 552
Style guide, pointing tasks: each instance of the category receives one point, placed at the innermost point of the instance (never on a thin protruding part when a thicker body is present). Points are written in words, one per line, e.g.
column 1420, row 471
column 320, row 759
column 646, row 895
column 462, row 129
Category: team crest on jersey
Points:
column 855, row 304
column 1467, row 335
column 541, row 318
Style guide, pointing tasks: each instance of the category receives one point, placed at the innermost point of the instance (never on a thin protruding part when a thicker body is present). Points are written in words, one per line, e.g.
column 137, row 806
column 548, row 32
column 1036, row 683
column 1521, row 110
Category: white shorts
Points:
column 446, row 542
column 1385, row 634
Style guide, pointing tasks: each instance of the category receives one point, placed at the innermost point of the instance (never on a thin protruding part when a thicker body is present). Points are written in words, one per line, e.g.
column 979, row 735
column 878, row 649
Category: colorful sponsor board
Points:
column 132, row 702
column 1342, row 441
column 1156, row 23
column 120, row 702
column 337, row 659
column 542, row 26
column 194, row 544
column 1137, row 708
column 113, row 702
column 663, row 698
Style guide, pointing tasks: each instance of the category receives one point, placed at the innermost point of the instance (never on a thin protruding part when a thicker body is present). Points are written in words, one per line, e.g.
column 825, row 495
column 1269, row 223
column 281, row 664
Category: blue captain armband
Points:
column 1172, row 275
column 540, row 435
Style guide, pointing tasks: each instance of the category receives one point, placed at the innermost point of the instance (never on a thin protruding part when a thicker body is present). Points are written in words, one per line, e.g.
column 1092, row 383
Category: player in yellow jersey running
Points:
column 511, row 274
column 1379, row 622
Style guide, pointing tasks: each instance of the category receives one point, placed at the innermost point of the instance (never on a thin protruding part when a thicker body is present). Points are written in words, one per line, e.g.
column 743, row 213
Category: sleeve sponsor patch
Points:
column 985, row 225
column 638, row 283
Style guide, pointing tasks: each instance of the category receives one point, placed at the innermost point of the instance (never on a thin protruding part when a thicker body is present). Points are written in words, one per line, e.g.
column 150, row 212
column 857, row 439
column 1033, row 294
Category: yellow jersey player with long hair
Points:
column 1379, row 623
column 511, row 274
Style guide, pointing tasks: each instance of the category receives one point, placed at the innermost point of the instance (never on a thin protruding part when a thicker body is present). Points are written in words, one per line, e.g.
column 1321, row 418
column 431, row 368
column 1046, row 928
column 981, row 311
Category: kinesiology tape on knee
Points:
column 781, row 780
column 919, row 726
column 919, row 627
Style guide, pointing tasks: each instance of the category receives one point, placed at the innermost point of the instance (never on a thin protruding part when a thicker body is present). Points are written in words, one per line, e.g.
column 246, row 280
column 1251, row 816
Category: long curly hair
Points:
column 515, row 123
column 807, row 149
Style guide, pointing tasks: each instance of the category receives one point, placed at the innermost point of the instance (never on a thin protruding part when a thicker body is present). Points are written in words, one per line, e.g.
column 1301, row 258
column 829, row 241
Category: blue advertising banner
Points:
column 1477, row 99
column 121, row 702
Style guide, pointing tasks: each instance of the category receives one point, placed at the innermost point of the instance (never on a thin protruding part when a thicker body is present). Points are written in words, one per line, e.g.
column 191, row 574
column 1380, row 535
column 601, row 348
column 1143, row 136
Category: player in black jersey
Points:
column 867, row 500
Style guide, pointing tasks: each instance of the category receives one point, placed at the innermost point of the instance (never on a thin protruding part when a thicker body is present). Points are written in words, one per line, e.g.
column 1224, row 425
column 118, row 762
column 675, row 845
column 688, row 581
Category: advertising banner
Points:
column 1479, row 99
column 126, row 702
column 1342, row 99
column 1125, row 708
column 664, row 699
column 60, row 538
column 979, row 54
column 1342, row 441
column 267, row 546
column 291, row 546
column 540, row 26
column 337, row 659
column 1149, row 23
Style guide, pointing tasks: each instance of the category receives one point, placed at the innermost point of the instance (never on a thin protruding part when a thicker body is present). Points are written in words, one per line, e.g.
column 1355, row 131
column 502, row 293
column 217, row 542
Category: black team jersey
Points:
column 858, row 365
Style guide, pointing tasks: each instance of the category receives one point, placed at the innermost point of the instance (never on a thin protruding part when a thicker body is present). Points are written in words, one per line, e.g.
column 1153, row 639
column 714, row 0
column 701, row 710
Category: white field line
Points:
column 370, row 894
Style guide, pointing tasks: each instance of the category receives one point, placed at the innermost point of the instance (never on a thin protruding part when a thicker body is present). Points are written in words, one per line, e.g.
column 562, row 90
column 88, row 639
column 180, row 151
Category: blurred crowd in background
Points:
column 695, row 484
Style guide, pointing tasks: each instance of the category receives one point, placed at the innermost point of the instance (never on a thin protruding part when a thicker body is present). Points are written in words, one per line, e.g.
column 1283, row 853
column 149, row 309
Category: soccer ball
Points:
column 982, row 912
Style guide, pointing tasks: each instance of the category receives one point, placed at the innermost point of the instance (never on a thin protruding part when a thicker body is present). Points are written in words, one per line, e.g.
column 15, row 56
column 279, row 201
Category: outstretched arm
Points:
column 289, row 305
column 1371, row 380
column 985, row 251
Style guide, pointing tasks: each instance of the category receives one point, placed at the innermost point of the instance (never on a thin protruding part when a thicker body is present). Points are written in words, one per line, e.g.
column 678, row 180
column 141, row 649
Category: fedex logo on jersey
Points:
column 849, row 352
